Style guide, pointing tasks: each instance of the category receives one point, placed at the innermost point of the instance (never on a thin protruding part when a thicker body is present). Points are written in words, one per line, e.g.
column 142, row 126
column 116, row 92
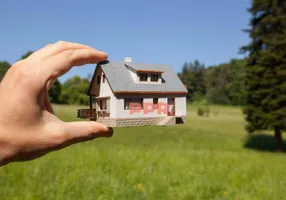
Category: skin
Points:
column 28, row 127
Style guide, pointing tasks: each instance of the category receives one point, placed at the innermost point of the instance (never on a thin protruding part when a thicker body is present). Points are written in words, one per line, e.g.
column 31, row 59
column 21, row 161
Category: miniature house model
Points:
column 124, row 94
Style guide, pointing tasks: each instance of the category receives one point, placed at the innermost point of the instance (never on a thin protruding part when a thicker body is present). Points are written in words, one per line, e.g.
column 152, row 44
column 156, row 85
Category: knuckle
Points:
column 17, row 64
column 20, row 70
column 16, row 67
column 61, row 44
column 69, row 56
column 54, row 134
column 23, row 73
column 7, row 150
column 89, row 132
column 59, row 138
column 49, row 45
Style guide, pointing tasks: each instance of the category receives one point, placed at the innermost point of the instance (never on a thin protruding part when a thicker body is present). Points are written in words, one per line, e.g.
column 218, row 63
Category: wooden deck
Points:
column 92, row 114
column 86, row 113
column 103, row 114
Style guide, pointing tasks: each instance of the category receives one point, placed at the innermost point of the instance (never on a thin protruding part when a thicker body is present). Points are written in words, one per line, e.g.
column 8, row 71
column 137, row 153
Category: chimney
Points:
column 127, row 59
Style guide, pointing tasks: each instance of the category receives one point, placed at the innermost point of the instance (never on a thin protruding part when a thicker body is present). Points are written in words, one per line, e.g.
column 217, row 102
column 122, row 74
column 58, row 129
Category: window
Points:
column 100, row 105
column 103, row 78
column 127, row 102
column 141, row 102
column 143, row 77
column 154, row 77
column 98, row 79
column 155, row 103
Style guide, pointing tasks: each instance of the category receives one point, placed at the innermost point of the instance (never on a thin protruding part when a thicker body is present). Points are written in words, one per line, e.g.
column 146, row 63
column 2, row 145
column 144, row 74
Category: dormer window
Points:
column 154, row 77
column 149, row 76
column 143, row 77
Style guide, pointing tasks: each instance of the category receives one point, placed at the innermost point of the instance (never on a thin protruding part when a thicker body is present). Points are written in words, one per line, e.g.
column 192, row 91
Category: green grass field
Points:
column 203, row 159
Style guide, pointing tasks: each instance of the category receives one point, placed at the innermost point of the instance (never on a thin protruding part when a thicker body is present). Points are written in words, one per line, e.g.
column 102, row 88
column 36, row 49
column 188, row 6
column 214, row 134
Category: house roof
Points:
column 140, row 67
column 121, row 81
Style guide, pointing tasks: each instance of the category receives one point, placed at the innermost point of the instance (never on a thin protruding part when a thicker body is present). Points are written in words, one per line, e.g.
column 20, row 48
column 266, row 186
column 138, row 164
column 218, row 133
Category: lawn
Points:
column 207, row 158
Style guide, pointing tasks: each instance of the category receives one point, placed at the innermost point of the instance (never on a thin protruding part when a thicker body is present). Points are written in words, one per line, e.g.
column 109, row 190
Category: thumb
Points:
column 84, row 131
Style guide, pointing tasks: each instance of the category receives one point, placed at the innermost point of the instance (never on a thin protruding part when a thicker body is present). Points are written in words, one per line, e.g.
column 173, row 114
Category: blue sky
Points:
column 149, row 31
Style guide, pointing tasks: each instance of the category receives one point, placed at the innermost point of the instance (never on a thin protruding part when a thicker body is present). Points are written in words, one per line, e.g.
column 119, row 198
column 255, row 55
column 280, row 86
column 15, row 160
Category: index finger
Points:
column 52, row 49
column 62, row 62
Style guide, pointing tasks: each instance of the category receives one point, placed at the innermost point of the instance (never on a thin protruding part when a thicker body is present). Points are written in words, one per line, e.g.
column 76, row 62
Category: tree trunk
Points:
column 278, row 140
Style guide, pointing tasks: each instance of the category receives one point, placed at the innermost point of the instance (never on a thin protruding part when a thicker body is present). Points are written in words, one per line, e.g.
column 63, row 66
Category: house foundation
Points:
column 131, row 122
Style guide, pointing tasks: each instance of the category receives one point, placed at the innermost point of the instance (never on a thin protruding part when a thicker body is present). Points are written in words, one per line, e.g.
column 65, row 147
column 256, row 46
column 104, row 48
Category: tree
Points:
column 266, row 68
column 55, row 92
column 236, row 87
column 218, row 80
column 193, row 76
column 218, row 84
column 74, row 91
column 4, row 66
column 26, row 55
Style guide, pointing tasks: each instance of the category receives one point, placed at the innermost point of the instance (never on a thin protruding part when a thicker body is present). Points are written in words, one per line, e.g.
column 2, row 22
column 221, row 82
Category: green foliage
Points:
column 203, row 159
column 236, row 87
column 221, row 84
column 225, row 83
column 55, row 92
column 266, row 68
column 200, row 111
column 203, row 107
column 218, row 79
column 4, row 67
column 26, row 55
column 74, row 91
column 192, row 75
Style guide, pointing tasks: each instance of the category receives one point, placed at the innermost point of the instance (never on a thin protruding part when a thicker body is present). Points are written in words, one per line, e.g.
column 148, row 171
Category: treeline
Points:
column 72, row 91
column 221, row 84
column 4, row 66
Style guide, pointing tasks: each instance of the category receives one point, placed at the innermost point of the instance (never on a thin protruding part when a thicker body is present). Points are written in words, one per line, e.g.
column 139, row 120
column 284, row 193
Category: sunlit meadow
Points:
column 207, row 158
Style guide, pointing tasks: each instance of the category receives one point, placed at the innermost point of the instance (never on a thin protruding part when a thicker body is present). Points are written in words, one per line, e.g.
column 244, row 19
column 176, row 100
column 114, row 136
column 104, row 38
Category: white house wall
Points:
column 103, row 90
column 121, row 113
column 180, row 105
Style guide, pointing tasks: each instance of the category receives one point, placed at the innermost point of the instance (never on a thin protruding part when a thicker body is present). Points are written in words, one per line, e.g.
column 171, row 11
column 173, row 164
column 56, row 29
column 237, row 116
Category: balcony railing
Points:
column 86, row 113
column 103, row 114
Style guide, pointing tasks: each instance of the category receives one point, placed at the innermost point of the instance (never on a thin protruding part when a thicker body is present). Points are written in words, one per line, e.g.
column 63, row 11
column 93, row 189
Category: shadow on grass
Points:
column 261, row 142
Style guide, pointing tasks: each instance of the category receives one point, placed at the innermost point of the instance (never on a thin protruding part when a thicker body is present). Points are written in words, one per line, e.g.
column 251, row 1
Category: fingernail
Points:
column 110, row 132
column 110, row 129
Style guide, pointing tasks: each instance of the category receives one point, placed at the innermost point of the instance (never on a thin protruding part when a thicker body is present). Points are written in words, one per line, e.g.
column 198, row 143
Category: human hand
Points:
column 28, row 127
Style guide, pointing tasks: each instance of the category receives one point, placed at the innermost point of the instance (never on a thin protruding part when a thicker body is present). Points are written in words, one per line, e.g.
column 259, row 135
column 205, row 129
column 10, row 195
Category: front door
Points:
column 171, row 106
column 103, row 108
column 102, row 104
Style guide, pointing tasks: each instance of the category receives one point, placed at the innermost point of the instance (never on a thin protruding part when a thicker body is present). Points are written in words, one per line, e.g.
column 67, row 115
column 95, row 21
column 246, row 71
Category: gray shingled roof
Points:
column 141, row 66
column 119, row 78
